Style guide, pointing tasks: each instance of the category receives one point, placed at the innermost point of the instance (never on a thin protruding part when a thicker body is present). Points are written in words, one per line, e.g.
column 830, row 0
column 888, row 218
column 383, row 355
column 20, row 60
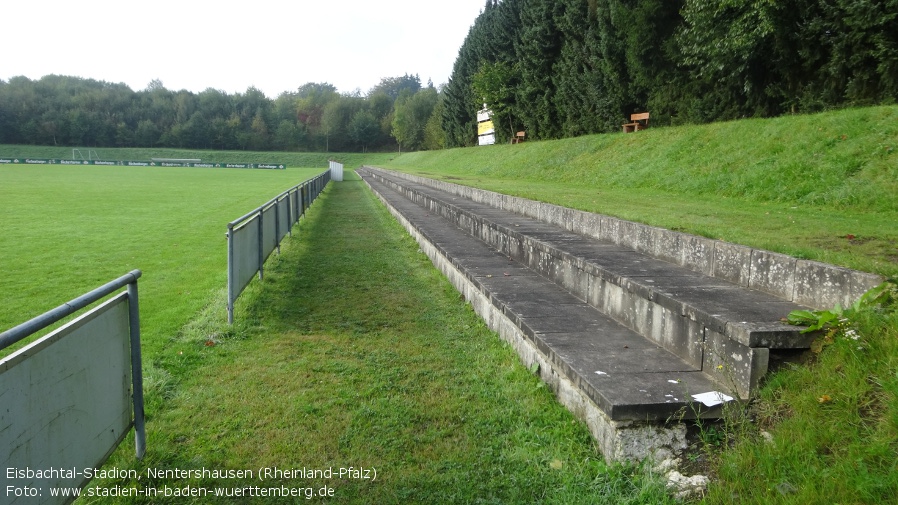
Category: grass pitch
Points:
column 67, row 230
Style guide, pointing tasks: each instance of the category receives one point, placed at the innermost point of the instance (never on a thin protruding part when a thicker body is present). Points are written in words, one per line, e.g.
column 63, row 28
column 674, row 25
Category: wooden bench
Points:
column 640, row 121
column 517, row 139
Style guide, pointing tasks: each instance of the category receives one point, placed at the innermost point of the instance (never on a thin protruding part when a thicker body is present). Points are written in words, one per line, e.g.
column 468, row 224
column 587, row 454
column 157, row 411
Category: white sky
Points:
column 274, row 45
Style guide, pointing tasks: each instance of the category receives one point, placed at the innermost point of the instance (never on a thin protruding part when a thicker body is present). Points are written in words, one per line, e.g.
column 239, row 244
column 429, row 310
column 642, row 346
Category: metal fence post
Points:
column 277, row 223
column 140, row 435
column 261, row 243
column 231, row 274
column 299, row 198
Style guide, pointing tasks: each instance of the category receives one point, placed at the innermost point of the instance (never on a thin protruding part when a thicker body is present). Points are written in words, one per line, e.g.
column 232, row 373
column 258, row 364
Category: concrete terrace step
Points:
column 574, row 336
column 624, row 339
column 626, row 321
column 724, row 329
column 627, row 376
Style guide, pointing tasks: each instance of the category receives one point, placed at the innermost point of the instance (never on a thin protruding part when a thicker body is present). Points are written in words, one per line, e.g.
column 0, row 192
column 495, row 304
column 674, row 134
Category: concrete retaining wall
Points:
column 810, row 283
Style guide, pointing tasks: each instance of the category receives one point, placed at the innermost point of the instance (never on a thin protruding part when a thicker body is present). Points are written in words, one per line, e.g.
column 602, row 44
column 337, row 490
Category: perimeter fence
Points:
column 255, row 235
column 69, row 398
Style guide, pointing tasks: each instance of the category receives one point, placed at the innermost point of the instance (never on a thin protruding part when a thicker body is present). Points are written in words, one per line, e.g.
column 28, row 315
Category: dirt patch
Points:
column 879, row 249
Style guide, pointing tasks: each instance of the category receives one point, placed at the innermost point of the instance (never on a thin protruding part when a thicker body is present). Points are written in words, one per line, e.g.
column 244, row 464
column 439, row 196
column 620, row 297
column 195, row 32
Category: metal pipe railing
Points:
column 13, row 335
column 306, row 192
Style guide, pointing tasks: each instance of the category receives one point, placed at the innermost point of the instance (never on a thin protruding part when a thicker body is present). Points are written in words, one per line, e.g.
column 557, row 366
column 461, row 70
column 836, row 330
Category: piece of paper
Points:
column 600, row 373
column 712, row 398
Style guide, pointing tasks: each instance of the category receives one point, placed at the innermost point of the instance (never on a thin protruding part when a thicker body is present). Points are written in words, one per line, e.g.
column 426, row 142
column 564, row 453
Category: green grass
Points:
column 822, row 187
column 833, row 427
column 71, row 229
column 799, row 185
column 355, row 351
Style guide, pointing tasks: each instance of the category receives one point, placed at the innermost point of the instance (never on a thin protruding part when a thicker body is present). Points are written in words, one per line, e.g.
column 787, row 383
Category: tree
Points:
column 537, row 49
column 411, row 116
column 393, row 87
column 364, row 129
column 146, row 134
column 258, row 140
column 380, row 105
column 728, row 47
column 434, row 136
column 311, row 100
column 338, row 114
column 495, row 84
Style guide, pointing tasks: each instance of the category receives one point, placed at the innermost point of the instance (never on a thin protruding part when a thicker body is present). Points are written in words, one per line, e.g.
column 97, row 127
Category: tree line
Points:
column 554, row 68
column 558, row 68
column 73, row 111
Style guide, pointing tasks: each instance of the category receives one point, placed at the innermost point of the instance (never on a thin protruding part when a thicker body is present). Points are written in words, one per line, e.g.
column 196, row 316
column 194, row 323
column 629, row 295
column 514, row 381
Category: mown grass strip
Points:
column 355, row 351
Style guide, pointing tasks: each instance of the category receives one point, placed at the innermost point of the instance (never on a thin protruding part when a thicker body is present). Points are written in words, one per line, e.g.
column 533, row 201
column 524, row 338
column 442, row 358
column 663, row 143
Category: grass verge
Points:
column 354, row 351
column 826, row 432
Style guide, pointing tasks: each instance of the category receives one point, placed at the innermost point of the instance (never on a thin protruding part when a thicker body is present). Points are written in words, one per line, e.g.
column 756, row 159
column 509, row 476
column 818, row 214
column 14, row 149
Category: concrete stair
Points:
column 629, row 337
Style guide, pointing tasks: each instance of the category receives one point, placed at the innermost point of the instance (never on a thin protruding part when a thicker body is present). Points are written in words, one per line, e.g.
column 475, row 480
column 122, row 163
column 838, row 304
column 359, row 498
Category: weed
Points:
column 839, row 322
column 829, row 427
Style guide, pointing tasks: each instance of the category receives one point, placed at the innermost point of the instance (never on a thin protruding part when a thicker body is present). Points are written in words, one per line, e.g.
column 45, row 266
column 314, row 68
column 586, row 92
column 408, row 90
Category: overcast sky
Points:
column 274, row 45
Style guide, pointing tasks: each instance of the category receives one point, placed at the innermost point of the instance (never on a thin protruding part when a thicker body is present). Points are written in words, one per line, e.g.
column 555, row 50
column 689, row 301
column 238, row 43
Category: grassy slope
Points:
column 831, row 427
column 798, row 185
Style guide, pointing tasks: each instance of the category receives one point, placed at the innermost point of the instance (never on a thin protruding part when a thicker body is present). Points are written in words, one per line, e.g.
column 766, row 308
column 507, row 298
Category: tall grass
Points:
column 826, row 432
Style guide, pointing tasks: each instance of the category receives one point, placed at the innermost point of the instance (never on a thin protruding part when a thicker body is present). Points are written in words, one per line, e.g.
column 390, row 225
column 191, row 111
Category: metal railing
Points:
column 255, row 235
column 65, row 396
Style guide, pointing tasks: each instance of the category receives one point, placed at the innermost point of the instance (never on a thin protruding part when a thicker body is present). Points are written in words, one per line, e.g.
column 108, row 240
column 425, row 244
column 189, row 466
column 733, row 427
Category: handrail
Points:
column 30, row 327
column 13, row 335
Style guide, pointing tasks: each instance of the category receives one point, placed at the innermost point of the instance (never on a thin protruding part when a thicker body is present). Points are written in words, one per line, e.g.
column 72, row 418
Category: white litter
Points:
column 712, row 398
column 600, row 373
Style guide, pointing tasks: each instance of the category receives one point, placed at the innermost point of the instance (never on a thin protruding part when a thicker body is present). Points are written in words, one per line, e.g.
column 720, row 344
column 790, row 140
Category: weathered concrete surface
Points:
column 552, row 329
column 676, row 307
column 625, row 321
column 767, row 271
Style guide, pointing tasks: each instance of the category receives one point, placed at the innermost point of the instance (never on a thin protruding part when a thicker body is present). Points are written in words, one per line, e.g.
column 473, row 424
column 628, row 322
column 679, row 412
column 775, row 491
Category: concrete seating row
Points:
column 635, row 334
